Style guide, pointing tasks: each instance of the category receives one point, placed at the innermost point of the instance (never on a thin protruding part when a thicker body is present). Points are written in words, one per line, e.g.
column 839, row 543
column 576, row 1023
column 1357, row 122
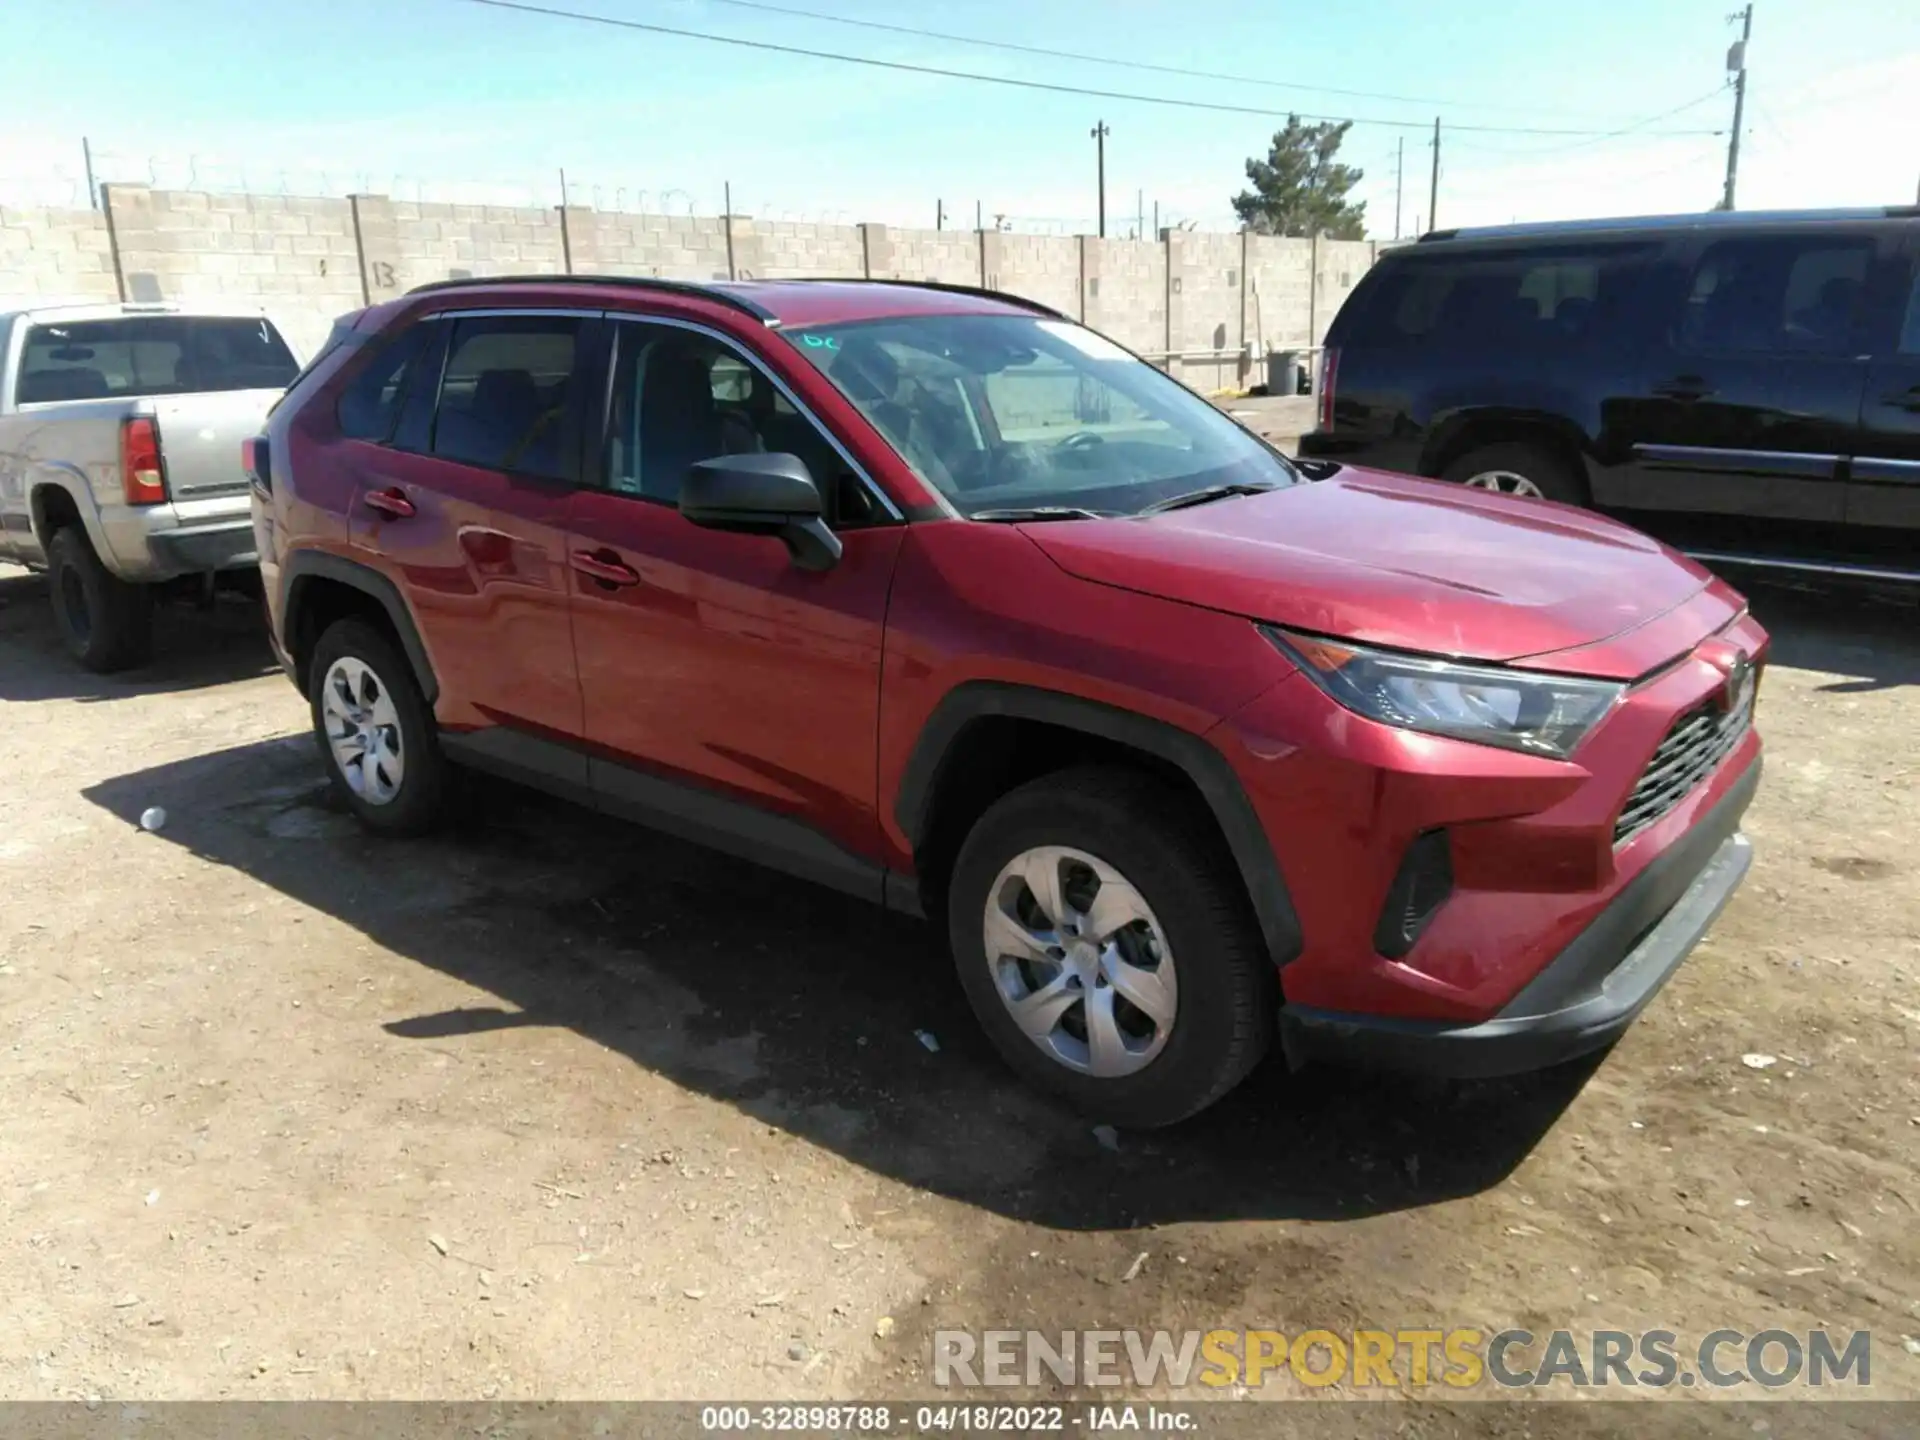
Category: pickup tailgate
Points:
column 200, row 439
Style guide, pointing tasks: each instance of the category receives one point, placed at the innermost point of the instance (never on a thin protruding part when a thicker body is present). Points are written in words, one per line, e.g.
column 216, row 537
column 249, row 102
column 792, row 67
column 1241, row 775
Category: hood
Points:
column 1403, row 563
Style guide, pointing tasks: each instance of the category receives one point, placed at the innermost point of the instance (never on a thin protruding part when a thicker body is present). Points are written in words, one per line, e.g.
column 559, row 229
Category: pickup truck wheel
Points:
column 376, row 734
column 1105, row 949
column 107, row 622
column 1527, row 471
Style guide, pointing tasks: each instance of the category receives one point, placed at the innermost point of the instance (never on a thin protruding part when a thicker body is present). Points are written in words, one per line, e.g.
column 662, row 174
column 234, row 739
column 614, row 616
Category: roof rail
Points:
column 981, row 292
column 714, row 292
column 1703, row 220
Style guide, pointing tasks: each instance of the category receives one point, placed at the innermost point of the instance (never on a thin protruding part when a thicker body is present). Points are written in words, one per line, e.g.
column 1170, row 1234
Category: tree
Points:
column 1300, row 189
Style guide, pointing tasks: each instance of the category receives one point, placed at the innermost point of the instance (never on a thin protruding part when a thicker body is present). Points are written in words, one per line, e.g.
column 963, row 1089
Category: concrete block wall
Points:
column 787, row 250
column 674, row 247
column 1279, row 292
column 442, row 242
column 1338, row 266
column 1037, row 267
column 64, row 254
column 295, row 256
column 951, row 257
column 1206, row 290
column 308, row 260
column 1124, row 284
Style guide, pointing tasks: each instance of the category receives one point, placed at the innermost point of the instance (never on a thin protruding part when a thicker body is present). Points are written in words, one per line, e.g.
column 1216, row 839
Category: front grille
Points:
column 1697, row 743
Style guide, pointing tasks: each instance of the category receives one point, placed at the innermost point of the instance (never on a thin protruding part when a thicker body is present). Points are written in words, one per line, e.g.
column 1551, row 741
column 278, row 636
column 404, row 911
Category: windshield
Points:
column 1011, row 413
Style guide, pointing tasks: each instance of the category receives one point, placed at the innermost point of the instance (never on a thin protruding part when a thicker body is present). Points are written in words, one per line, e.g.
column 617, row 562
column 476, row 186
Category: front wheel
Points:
column 376, row 733
column 1527, row 472
column 1105, row 946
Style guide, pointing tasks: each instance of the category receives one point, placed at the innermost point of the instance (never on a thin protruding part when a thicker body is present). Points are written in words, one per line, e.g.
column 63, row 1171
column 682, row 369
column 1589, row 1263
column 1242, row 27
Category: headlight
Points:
column 1515, row 709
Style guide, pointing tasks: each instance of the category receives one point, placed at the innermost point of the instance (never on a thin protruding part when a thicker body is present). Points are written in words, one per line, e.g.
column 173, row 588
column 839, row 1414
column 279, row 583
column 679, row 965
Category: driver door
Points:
column 726, row 691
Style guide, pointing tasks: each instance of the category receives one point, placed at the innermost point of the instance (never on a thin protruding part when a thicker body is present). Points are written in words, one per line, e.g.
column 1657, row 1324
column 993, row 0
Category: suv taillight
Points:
column 141, row 478
column 1323, row 385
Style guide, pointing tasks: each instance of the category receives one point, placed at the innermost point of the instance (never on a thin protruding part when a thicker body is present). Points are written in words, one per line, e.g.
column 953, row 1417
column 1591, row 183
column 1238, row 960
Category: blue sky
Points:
column 447, row 100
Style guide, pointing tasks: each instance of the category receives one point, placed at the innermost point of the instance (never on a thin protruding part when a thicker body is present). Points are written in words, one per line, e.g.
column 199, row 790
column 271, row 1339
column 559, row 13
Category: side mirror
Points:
column 762, row 495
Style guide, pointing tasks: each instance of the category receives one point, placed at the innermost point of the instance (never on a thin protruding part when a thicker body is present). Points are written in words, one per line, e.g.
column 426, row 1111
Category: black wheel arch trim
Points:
column 318, row 565
column 1462, row 432
column 1195, row 757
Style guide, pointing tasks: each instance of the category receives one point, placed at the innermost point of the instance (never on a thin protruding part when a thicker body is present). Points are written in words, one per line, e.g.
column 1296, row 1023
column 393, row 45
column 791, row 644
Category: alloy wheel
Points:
column 1505, row 482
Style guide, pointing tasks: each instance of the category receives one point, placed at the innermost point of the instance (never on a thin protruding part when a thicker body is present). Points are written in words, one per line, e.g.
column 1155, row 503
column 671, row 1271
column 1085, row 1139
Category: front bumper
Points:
column 1588, row 994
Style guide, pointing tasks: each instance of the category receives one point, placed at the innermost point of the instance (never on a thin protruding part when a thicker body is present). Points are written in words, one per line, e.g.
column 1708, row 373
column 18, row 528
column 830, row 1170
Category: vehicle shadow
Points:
column 1869, row 641
column 806, row 1009
column 192, row 648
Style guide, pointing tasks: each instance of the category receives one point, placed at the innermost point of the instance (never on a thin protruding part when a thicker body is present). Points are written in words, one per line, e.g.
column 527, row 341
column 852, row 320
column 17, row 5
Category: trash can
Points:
column 1283, row 372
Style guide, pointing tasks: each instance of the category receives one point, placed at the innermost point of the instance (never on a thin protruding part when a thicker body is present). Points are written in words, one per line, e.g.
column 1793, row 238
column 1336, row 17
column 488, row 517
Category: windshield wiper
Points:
column 1202, row 496
column 1016, row 515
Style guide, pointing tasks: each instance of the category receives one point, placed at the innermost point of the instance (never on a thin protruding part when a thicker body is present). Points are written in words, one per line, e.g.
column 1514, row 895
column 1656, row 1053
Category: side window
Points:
column 504, row 393
column 1775, row 297
column 680, row 397
column 1536, row 301
column 1910, row 328
column 370, row 405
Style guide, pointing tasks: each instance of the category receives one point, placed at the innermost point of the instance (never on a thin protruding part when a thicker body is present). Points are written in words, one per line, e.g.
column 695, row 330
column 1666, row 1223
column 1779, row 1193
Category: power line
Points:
column 1167, row 101
column 1637, row 130
column 1081, row 57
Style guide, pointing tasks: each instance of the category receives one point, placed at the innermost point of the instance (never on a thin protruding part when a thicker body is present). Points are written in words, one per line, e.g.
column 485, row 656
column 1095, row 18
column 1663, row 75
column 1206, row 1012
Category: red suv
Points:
column 932, row 595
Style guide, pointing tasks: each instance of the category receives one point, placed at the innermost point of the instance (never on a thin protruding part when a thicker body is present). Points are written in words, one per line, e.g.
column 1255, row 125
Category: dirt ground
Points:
column 551, row 1108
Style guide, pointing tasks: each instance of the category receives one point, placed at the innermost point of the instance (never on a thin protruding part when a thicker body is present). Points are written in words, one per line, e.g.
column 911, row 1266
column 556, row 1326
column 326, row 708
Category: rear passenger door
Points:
column 466, row 504
column 1884, row 491
column 1750, row 395
column 723, row 685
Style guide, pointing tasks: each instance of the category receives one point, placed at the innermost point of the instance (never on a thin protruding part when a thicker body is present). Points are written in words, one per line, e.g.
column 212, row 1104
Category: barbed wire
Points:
column 64, row 185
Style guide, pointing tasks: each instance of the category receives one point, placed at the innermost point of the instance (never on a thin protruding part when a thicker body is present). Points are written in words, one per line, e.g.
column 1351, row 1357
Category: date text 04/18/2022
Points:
column 936, row 1419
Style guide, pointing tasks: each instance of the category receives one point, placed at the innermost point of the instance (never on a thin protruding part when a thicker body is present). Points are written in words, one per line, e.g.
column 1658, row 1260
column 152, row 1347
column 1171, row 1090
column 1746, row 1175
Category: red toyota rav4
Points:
column 935, row 596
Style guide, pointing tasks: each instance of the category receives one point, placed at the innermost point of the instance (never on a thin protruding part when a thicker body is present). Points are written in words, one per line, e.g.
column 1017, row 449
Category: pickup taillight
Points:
column 256, row 462
column 1324, row 383
column 142, row 479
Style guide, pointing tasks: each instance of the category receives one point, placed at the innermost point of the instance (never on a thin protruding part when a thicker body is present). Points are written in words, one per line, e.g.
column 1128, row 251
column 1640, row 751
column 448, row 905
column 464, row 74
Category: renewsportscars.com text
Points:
column 1457, row 1359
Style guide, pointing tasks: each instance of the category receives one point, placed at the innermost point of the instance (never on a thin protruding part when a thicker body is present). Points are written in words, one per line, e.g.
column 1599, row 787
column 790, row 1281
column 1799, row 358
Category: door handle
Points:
column 1684, row 387
column 605, row 569
column 392, row 502
column 1903, row 399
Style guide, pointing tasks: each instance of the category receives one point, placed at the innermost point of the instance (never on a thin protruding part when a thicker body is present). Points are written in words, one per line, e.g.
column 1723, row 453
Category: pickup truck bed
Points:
column 120, row 430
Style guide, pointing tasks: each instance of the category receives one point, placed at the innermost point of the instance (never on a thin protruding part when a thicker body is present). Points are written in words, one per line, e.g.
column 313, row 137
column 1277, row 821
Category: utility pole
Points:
column 1399, row 176
column 1100, row 133
column 978, row 218
column 1737, row 64
column 93, row 190
column 939, row 214
column 1433, row 187
column 1140, row 214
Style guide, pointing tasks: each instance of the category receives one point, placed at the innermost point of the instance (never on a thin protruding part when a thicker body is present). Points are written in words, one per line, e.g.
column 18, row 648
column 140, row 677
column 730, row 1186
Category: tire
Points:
column 403, row 793
column 106, row 622
column 1163, row 851
column 1530, row 464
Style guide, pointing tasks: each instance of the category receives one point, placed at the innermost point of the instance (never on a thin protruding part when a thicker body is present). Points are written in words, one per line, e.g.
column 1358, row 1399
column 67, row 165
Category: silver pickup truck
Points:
column 120, row 468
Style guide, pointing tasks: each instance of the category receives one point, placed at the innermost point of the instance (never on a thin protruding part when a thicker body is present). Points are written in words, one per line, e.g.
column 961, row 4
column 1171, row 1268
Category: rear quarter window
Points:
column 1534, row 301
column 139, row 355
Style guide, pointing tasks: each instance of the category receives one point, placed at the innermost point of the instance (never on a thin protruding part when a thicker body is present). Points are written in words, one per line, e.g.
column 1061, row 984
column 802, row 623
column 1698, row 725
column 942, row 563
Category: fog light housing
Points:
column 1419, row 889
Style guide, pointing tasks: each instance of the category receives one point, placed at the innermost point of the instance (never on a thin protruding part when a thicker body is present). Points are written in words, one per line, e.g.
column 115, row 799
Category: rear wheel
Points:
column 106, row 622
column 376, row 731
column 1106, row 948
column 1530, row 472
